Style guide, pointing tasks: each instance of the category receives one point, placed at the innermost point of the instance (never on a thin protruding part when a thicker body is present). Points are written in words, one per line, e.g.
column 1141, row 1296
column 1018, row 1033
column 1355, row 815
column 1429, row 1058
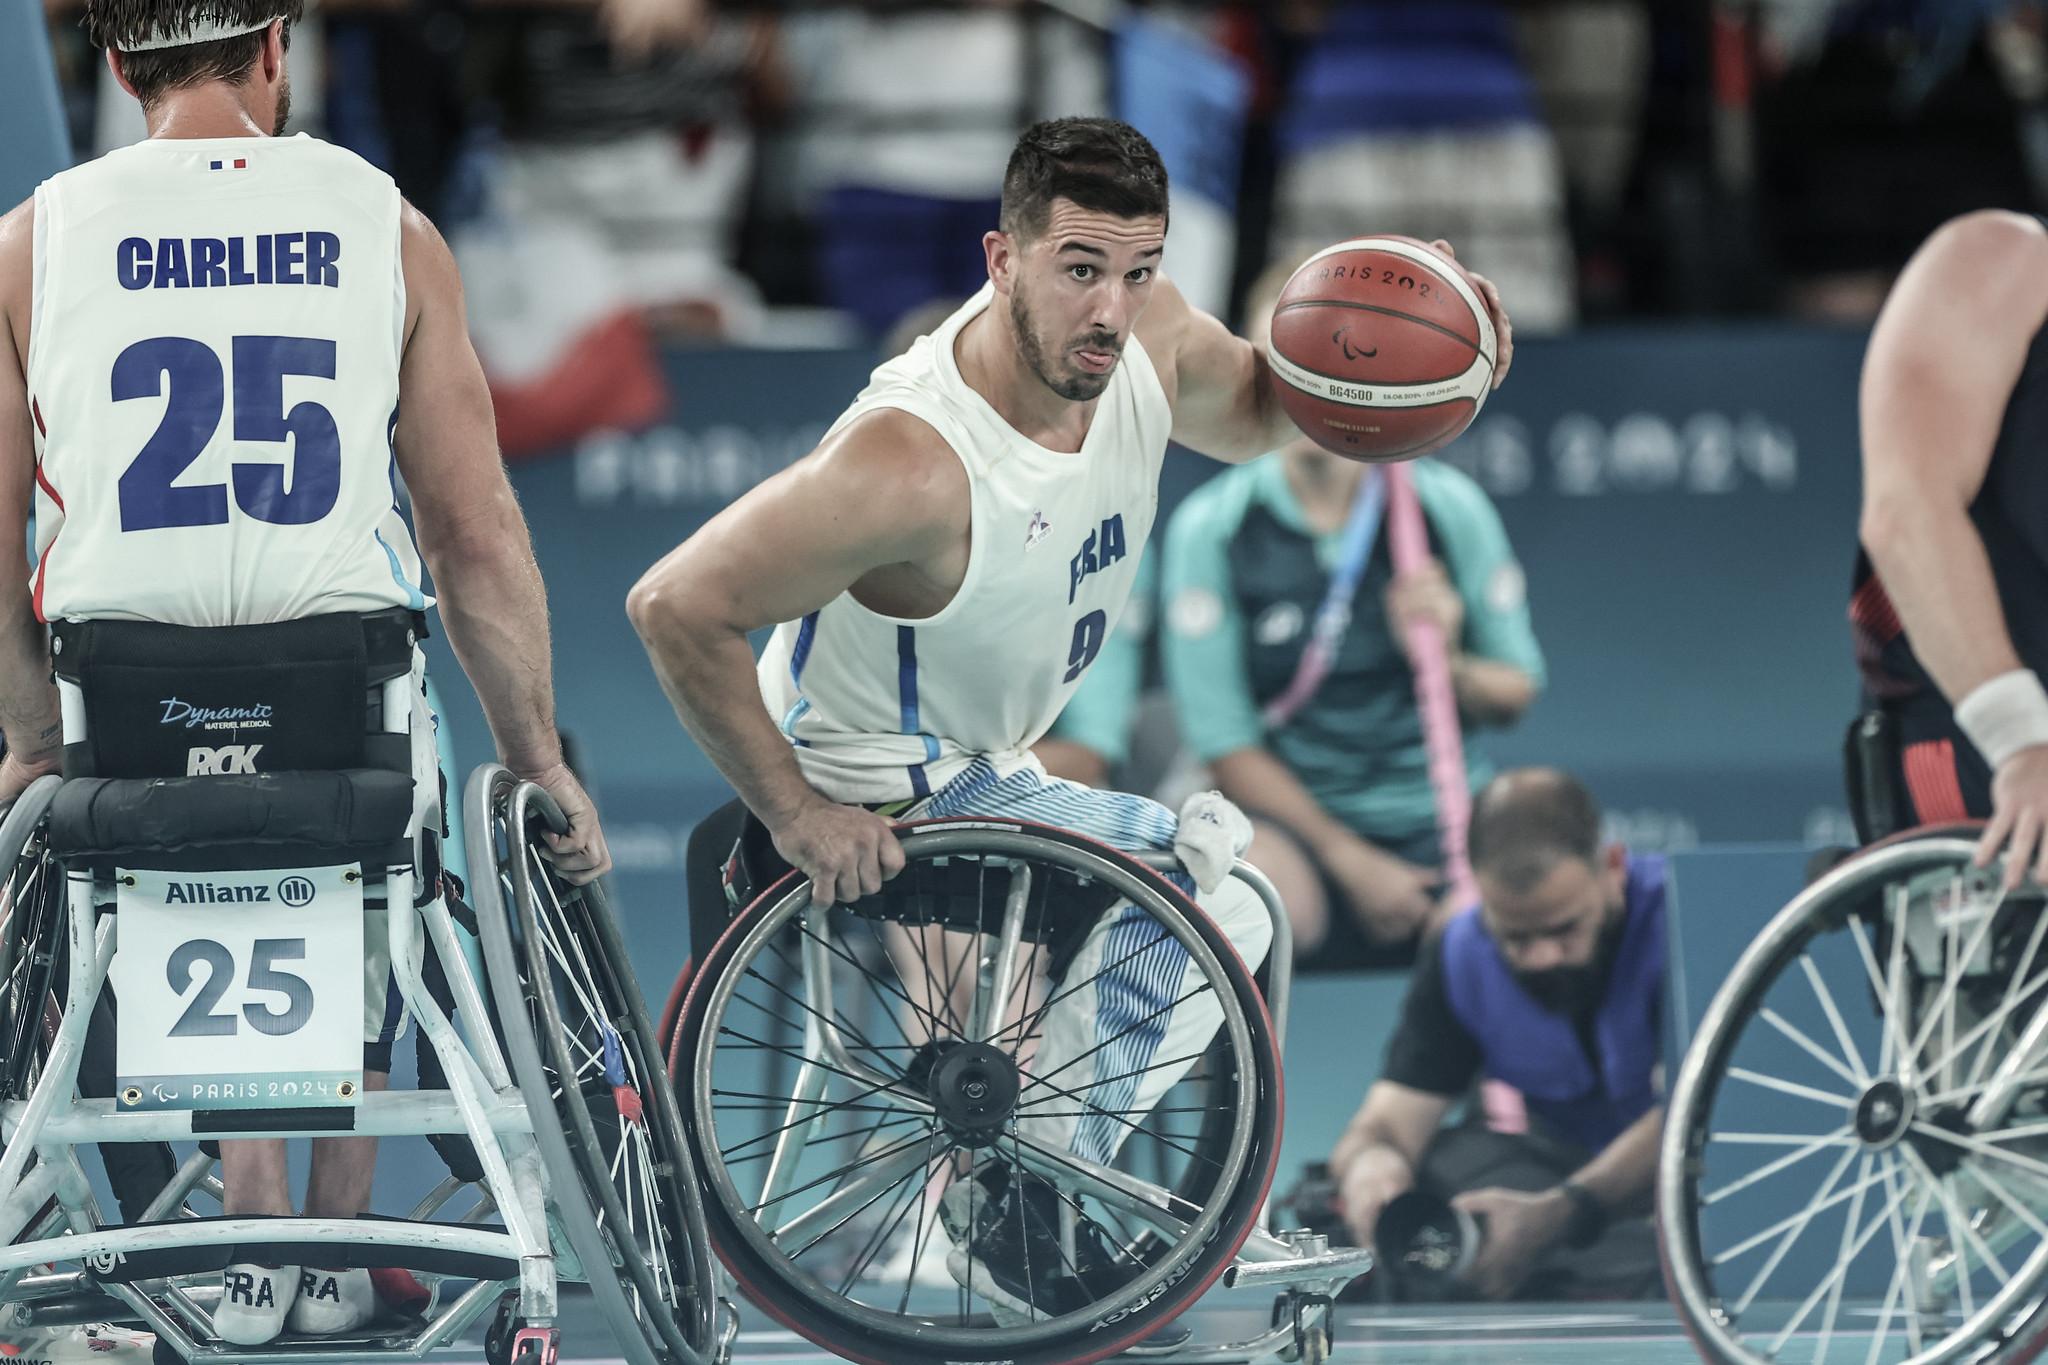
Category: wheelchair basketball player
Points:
column 218, row 349
column 1950, row 611
column 940, row 574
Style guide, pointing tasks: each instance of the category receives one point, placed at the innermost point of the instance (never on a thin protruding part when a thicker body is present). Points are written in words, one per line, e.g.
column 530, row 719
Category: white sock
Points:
column 253, row 1302
column 333, row 1301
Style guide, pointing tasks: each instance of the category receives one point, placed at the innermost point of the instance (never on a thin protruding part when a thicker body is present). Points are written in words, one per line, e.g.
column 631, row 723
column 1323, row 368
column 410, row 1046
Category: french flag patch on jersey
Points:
column 240, row 163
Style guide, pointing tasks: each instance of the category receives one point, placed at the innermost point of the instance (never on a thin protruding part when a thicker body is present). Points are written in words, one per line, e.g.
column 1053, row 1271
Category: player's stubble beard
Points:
column 284, row 106
column 1076, row 386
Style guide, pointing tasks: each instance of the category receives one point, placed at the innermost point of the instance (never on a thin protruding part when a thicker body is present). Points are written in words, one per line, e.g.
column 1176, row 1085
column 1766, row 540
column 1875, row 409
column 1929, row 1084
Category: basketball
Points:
column 1381, row 350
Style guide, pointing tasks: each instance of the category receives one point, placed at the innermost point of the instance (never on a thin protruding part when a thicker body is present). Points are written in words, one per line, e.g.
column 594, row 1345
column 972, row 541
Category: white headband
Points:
column 198, row 33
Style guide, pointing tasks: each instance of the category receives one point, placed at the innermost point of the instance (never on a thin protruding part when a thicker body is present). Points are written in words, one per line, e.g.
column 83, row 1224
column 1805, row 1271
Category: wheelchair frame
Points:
column 495, row 1096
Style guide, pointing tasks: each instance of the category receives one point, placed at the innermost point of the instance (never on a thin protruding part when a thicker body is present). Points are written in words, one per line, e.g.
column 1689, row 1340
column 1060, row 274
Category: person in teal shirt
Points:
column 1339, row 789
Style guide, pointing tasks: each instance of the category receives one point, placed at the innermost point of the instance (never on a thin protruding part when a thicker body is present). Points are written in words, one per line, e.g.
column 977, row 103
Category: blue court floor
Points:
column 1563, row 1334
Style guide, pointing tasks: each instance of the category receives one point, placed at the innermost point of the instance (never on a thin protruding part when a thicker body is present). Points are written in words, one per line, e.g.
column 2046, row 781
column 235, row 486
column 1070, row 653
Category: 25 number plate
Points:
column 239, row 990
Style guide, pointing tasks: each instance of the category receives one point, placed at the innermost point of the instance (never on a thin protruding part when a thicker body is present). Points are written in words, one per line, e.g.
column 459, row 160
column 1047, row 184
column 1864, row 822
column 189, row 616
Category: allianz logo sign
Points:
column 292, row 891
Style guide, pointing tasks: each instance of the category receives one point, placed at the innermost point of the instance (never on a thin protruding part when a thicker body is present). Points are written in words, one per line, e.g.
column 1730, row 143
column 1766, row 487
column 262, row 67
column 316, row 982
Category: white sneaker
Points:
column 254, row 1300
column 929, row 1272
column 331, row 1302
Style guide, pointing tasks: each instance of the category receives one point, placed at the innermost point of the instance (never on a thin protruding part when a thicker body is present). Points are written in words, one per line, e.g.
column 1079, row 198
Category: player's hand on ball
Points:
column 2019, row 817
column 1503, row 330
column 580, row 856
column 1426, row 594
column 847, row 852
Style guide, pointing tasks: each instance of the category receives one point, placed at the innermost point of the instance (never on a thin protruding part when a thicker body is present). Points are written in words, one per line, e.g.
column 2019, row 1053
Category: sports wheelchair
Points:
column 950, row 1071
column 1857, row 1142
column 542, row 1087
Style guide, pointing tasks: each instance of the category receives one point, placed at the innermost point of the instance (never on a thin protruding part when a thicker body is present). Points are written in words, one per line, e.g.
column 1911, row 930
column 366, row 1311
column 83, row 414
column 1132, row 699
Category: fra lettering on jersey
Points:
column 213, row 263
column 1103, row 548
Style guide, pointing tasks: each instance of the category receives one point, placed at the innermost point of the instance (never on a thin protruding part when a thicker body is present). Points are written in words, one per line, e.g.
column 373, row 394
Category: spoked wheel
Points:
column 1855, row 1160
column 584, row 1053
column 32, row 942
column 961, row 1060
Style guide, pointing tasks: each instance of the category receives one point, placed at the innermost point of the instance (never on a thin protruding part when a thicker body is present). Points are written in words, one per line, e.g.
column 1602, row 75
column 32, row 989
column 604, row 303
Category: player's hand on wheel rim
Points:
column 580, row 856
column 2019, row 817
column 846, row 852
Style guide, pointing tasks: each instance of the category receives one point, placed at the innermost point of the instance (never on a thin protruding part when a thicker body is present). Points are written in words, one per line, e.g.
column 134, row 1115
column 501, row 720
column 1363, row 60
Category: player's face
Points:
column 284, row 104
column 1079, row 288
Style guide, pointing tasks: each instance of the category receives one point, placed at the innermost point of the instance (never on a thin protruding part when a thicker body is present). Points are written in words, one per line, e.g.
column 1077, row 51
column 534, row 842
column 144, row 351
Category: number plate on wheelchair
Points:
column 239, row 990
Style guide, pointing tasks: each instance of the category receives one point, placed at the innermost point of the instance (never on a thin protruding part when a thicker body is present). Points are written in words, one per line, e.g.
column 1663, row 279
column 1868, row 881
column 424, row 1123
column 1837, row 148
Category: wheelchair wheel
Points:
column 584, row 1054
column 934, row 1087
column 33, row 948
column 1857, row 1143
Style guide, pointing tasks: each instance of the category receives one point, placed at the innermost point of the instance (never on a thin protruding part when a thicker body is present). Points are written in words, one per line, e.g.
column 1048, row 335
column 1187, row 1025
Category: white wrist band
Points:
column 2005, row 715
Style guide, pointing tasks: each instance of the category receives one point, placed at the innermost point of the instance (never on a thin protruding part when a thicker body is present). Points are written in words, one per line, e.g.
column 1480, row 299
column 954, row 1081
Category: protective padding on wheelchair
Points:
column 1857, row 1142
column 975, row 1051
column 587, row 1060
column 359, row 808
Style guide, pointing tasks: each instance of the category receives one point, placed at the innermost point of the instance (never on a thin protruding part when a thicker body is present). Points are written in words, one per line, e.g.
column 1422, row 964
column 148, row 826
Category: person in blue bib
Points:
column 1554, row 985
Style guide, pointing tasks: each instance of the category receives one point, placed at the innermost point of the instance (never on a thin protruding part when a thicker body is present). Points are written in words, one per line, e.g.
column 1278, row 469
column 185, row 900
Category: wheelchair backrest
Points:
column 148, row 700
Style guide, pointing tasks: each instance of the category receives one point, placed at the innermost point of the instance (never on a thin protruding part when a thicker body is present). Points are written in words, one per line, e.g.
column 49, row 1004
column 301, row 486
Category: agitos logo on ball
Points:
column 1381, row 349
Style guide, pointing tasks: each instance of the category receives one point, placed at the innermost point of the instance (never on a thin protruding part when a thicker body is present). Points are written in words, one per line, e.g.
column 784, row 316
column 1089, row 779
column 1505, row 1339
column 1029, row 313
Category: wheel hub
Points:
column 1885, row 1113
column 973, row 1089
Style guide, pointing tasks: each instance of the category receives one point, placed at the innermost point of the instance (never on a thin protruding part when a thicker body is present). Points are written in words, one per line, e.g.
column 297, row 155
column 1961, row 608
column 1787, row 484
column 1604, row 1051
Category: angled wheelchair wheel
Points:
column 1856, row 1150
column 956, row 1064
column 584, row 1053
column 33, row 949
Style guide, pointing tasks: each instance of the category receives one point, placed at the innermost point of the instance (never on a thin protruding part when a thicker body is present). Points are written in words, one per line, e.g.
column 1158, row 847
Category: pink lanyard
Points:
column 1435, row 698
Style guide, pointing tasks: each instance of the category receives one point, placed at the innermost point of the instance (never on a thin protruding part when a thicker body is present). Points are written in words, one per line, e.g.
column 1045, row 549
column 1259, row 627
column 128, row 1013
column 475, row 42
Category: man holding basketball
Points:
column 1953, row 575
column 943, row 569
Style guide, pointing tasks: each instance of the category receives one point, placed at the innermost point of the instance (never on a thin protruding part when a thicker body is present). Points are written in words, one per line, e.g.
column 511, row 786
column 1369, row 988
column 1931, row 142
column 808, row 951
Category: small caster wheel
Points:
column 536, row 1345
column 162, row 1354
column 498, row 1340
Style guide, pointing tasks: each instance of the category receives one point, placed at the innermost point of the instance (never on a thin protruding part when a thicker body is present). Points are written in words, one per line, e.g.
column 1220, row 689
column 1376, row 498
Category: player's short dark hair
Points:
column 1099, row 163
column 111, row 23
column 1527, row 821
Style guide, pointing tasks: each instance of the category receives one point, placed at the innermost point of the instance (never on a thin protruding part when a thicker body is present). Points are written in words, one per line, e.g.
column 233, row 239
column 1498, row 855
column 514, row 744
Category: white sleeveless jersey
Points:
column 213, row 370
column 882, row 708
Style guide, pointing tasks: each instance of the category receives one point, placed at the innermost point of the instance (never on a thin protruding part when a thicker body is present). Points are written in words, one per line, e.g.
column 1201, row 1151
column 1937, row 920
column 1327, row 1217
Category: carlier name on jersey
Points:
column 216, row 263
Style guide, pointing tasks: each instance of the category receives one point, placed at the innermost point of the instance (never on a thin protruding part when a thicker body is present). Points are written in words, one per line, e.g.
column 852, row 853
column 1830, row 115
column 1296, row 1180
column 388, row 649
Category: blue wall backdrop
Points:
column 1684, row 502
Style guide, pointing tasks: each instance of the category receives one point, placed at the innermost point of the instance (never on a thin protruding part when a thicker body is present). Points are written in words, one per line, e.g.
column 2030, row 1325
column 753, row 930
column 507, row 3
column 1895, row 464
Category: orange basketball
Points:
column 1382, row 350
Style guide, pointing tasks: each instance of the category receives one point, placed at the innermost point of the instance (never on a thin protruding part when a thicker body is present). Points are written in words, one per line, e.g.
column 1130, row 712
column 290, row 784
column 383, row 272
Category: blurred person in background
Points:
column 628, row 144
column 1337, row 780
column 1878, row 120
column 908, row 114
column 1418, row 117
column 1554, row 984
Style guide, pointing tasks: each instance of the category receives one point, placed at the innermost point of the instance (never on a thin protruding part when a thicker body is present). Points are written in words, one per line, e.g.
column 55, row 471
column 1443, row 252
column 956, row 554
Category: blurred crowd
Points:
column 812, row 171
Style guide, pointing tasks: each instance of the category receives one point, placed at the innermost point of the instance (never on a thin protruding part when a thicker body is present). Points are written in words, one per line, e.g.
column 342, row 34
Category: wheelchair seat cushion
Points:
column 225, row 822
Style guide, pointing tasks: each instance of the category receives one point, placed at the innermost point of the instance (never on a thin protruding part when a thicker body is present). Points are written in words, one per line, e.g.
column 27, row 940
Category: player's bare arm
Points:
column 474, row 539
column 881, row 509
column 29, row 715
column 1943, row 360
column 1221, row 385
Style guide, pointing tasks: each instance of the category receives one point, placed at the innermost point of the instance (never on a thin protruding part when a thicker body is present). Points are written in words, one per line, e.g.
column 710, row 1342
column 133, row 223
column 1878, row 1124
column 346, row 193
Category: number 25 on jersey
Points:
column 190, row 377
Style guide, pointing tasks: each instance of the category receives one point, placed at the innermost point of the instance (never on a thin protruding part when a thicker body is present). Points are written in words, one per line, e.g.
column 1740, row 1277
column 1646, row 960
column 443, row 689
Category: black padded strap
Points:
column 353, row 814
